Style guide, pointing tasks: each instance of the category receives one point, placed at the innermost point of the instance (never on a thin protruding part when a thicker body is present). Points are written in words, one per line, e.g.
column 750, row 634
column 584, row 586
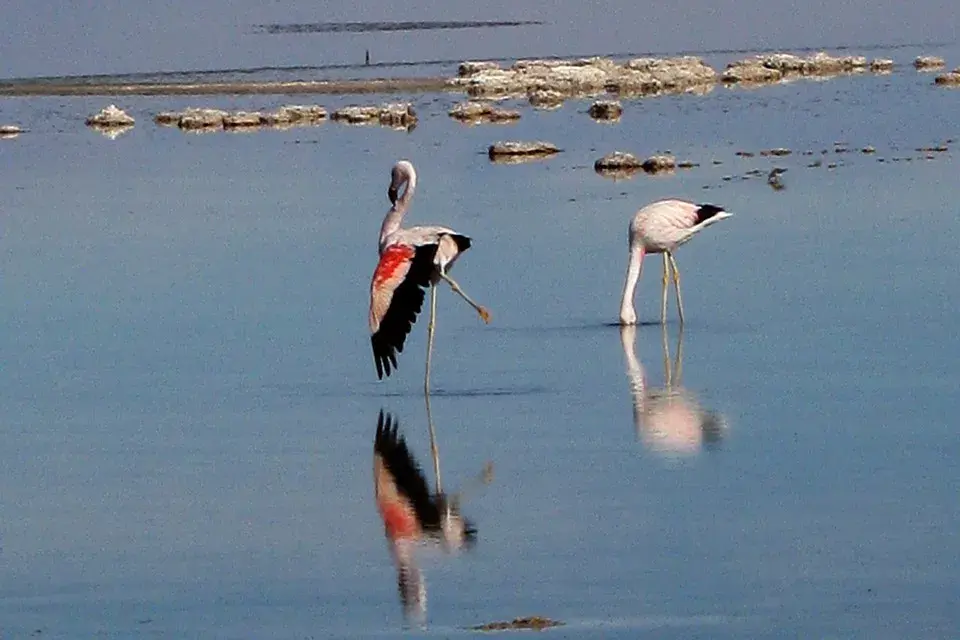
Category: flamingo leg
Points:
column 484, row 314
column 676, row 285
column 663, row 296
column 431, row 326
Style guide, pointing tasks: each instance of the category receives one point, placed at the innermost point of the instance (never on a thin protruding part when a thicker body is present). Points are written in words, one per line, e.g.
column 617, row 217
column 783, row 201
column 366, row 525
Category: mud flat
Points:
column 79, row 88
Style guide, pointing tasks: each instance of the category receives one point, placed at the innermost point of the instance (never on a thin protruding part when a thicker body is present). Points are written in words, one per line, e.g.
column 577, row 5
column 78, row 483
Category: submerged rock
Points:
column 584, row 77
column 110, row 116
column 243, row 120
column 778, row 66
column 618, row 165
column 195, row 118
column 521, row 151
column 951, row 79
column 546, row 98
column 659, row 164
column 618, row 160
column 355, row 114
column 605, row 110
column 536, row 623
column 922, row 63
column 202, row 119
column 167, row 118
column 476, row 112
column 398, row 115
column 296, row 114
column 880, row 65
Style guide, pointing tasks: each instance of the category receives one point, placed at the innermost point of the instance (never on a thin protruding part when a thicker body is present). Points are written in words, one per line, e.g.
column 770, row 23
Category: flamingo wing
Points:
column 396, row 297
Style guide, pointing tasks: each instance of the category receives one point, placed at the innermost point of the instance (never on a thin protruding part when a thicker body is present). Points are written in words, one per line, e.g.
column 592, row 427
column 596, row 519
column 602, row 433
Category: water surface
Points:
column 188, row 397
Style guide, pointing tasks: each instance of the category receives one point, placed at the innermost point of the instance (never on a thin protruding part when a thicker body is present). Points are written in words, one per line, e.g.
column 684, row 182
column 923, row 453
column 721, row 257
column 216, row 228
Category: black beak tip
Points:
column 392, row 194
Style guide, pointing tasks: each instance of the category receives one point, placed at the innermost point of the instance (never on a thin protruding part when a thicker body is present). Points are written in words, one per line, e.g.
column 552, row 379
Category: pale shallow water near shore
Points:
column 189, row 401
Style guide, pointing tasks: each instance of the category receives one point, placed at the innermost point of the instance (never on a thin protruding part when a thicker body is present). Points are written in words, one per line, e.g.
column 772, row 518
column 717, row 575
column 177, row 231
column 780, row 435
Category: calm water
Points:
column 188, row 399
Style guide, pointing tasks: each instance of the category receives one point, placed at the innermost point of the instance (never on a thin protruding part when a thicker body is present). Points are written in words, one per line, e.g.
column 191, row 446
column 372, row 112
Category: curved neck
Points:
column 627, row 313
column 394, row 217
column 410, row 179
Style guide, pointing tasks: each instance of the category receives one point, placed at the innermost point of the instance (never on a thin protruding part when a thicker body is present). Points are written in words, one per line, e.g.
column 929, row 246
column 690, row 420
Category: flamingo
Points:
column 410, row 260
column 411, row 514
column 668, row 419
column 661, row 227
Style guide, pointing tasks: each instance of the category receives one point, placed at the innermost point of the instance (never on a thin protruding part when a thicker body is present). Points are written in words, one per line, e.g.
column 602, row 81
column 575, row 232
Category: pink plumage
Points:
column 662, row 227
column 410, row 261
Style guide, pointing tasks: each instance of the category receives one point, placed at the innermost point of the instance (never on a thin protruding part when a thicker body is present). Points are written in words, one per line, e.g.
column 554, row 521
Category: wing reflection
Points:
column 668, row 419
column 413, row 516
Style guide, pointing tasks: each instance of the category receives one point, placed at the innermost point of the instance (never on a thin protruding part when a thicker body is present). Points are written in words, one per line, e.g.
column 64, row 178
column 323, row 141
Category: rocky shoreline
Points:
column 545, row 83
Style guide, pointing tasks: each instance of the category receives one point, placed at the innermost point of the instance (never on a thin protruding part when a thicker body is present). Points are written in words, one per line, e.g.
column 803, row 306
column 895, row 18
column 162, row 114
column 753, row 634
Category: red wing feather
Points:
column 396, row 297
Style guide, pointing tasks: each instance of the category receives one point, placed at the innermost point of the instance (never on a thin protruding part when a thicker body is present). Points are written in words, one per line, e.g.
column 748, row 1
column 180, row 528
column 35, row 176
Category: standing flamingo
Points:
column 410, row 260
column 661, row 227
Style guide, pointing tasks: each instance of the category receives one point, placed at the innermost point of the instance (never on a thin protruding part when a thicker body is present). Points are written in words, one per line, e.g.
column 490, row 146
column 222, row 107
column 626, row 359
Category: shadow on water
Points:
column 409, row 25
column 470, row 393
column 414, row 517
column 668, row 419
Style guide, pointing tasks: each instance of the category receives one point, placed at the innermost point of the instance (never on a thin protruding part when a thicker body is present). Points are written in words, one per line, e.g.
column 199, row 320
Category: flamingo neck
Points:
column 627, row 313
column 394, row 218
column 391, row 223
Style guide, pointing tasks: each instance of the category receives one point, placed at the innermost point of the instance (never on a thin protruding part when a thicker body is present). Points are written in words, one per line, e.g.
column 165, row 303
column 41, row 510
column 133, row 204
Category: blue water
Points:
column 188, row 398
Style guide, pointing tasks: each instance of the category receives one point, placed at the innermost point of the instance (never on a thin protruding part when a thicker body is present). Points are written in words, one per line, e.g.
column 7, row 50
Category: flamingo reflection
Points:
column 668, row 419
column 413, row 516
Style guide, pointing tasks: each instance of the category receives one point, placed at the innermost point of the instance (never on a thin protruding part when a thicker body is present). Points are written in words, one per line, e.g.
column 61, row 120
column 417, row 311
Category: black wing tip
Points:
column 463, row 242
column 384, row 355
column 707, row 211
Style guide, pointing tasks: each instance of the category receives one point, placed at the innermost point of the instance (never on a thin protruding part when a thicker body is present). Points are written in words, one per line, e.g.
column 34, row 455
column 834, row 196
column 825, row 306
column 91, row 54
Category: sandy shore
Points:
column 359, row 86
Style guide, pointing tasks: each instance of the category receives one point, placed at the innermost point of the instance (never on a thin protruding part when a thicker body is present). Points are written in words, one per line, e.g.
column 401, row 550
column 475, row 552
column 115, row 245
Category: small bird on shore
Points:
column 410, row 261
column 773, row 178
column 661, row 227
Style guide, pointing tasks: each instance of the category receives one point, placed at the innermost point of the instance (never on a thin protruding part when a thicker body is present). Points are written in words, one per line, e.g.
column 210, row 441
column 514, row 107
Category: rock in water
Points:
column 923, row 63
column 605, row 110
column 522, row 149
column 110, row 116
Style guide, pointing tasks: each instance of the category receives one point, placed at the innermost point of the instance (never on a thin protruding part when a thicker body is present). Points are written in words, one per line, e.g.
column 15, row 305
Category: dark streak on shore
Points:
column 363, row 27
column 346, row 87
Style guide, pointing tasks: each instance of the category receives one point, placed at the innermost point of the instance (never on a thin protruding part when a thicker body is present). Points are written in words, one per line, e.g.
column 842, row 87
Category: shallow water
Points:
column 189, row 400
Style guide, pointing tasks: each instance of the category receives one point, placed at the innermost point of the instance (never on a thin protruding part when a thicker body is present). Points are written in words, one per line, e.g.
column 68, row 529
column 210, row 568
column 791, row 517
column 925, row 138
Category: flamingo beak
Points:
column 392, row 193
